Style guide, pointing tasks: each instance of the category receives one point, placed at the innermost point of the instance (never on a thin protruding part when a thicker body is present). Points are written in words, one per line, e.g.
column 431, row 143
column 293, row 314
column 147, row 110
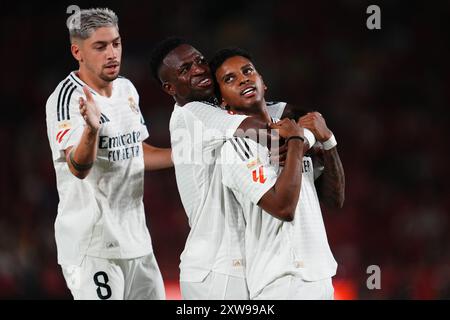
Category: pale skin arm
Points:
column 81, row 157
column 157, row 158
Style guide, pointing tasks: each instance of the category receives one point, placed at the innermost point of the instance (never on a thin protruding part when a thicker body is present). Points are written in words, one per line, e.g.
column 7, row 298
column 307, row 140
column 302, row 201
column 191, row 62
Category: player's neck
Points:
column 181, row 101
column 258, row 111
column 103, row 88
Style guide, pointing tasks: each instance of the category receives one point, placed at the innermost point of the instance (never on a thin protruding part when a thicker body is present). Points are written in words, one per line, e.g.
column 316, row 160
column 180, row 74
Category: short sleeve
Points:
column 143, row 128
column 246, row 168
column 64, row 122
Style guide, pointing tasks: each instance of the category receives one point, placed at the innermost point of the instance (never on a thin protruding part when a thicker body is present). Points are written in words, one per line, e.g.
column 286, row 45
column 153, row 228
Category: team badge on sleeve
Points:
column 253, row 163
column 133, row 105
column 64, row 128
column 60, row 135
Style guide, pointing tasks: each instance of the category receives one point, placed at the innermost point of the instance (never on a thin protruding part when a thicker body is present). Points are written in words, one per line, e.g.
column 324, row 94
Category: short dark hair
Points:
column 160, row 51
column 219, row 58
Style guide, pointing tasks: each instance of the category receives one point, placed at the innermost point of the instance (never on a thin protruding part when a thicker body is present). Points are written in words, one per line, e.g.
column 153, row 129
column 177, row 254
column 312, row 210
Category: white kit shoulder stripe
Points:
column 64, row 96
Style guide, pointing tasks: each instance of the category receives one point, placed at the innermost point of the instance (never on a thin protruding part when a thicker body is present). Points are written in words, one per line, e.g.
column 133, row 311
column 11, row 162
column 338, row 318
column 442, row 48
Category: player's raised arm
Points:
column 292, row 111
column 281, row 200
column 250, row 173
column 80, row 158
column 258, row 130
column 331, row 184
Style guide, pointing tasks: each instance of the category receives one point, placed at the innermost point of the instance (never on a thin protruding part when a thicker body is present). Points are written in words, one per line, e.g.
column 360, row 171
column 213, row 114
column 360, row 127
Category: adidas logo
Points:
column 111, row 245
column 103, row 119
column 237, row 263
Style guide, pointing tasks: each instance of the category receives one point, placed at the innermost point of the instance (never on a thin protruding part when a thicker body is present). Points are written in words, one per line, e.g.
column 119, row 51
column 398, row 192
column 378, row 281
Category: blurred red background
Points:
column 384, row 93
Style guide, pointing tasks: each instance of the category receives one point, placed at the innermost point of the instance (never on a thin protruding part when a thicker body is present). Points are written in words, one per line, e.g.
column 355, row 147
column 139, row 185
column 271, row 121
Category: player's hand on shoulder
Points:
column 89, row 110
column 315, row 122
column 287, row 128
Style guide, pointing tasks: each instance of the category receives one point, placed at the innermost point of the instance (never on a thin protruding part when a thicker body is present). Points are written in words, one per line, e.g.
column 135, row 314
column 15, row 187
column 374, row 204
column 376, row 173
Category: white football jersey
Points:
column 274, row 248
column 103, row 214
column 198, row 130
column 275, row 109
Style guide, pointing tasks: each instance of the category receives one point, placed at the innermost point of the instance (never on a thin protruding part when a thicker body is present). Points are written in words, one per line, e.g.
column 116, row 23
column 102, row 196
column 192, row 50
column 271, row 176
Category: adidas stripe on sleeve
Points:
column 246, row 168
column 64, row 122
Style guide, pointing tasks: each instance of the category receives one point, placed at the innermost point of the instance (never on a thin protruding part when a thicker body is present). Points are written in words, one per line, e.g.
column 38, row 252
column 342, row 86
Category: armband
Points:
column 78, row 166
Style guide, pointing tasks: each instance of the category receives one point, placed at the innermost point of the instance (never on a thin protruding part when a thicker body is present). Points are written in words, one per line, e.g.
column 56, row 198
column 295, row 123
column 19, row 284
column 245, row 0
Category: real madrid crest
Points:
column 133, row 105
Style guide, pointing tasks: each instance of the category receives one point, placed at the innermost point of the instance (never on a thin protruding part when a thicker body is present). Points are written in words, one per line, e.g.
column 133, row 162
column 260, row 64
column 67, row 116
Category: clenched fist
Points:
column 316, row 123
column 287, row 128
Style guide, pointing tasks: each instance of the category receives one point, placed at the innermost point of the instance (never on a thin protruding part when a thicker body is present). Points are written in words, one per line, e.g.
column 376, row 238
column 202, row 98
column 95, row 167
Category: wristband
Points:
column 309, row 136
column 295, row 137
column 330, row 143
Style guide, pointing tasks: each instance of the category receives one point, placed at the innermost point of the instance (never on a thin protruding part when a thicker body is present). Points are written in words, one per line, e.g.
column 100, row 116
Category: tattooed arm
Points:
column 331, row 184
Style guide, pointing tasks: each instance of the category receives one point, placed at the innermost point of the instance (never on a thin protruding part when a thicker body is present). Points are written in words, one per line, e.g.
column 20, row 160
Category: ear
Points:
column 168, row 88
column 76, row 52
column 264, row 84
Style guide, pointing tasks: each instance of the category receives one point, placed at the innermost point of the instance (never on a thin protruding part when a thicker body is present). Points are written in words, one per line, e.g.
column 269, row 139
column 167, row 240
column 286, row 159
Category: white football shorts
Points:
column 216, row 286
column 295, row 288
column 115, row 279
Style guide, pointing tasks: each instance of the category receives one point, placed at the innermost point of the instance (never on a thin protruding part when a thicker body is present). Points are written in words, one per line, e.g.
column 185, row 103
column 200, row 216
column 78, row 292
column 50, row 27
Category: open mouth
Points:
column 204, row 83
column 249, row 91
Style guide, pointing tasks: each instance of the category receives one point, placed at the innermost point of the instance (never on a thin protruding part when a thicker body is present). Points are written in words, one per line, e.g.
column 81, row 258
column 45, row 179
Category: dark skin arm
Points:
column 157, row 158
column 291, row 112
column 330, row 185
column 294, row 112
column 259, row 131
column 281, row 200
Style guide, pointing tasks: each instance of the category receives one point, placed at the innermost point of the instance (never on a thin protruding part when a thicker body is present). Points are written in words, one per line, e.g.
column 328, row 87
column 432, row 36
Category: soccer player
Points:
column 212, row 266
column 285, row 260
column 96, row 133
